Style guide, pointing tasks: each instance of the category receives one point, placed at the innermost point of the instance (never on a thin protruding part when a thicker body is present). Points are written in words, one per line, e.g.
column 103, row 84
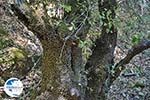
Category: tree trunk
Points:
column 61, row 59
column 99, row 63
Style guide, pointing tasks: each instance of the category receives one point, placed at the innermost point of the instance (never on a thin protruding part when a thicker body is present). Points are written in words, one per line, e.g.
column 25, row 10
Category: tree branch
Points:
column 136, row 49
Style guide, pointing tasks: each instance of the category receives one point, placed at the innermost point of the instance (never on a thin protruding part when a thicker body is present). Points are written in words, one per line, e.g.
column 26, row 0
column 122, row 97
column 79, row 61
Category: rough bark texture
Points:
column 24, row 40
column 61, row 66
column 99, row 63
column 57, row 72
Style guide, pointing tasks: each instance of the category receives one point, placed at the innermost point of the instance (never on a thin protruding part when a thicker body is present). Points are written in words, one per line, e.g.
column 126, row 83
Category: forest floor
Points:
column 134, row 81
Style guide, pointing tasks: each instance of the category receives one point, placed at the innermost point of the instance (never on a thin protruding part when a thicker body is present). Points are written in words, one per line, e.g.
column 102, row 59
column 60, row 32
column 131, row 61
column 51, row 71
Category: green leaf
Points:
column 67, row 8
column 63, row 27
column 136, row 39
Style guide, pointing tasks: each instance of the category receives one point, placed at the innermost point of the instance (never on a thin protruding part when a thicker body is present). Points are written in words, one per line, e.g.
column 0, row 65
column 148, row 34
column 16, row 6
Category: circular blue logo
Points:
column 13, row 87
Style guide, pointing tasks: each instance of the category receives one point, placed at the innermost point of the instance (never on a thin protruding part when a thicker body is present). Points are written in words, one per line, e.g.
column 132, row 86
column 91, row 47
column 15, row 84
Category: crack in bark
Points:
column 20, row 14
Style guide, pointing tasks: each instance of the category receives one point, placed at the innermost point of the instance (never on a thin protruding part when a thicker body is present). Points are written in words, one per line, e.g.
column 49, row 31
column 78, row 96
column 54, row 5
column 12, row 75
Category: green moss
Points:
column 18, row 53
column 50, row 72
column 49, row 67
column 5, row 43
column 33, row 94
column 3, row 32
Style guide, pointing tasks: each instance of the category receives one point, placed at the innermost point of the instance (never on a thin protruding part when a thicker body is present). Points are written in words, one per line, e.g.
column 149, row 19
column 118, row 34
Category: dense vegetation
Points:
column 76, row 49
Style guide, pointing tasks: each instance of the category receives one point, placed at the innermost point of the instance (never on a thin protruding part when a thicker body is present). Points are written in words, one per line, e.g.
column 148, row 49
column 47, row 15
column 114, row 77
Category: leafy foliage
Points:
column 136, row 39
column 67, row 8
column 4, row 42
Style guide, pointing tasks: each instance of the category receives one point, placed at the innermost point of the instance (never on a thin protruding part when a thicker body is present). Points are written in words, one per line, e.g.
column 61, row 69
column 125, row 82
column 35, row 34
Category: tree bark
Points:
column 62, row 59
column 98, row 65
